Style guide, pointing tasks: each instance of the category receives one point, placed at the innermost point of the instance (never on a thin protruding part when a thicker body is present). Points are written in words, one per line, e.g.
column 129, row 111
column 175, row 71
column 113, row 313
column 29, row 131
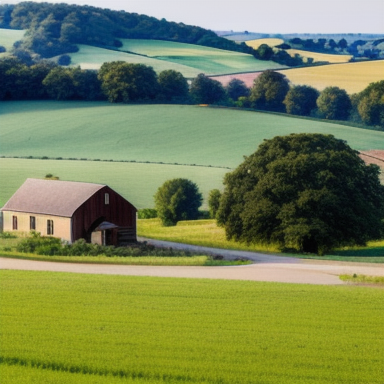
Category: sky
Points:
column 268, row 16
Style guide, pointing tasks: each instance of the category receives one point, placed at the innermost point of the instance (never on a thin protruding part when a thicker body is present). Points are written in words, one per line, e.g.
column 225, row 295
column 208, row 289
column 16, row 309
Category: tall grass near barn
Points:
column 74, row 328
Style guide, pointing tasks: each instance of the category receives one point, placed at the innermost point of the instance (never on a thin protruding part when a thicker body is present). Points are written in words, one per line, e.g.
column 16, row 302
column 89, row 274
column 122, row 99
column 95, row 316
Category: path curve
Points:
column 267, row 267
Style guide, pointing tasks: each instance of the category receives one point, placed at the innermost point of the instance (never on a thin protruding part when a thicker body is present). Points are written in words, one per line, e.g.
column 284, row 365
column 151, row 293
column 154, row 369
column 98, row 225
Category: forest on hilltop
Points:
column 54, row 29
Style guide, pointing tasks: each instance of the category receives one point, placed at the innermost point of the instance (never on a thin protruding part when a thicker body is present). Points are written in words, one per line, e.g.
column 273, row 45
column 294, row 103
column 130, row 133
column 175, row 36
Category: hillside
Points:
column 55, row 29
column 184, row 141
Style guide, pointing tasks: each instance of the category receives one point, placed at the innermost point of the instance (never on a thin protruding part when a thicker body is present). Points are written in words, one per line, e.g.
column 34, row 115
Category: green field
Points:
column 93, row 57
column 78, row 328
column 211, row 61
column 184, row 135
column 8, row 37
column 156, row 133
column 136, row 182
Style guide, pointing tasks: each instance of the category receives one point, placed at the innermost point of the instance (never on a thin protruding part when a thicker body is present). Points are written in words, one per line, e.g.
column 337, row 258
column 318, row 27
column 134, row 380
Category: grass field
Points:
column 331, row 58
column 271, row 41
column 136, row 182
column 208, row 60
column 206, row 233
column 8, row 37
column 93, row 57
column 74, row 328
column 353, row 77
column 156, row 133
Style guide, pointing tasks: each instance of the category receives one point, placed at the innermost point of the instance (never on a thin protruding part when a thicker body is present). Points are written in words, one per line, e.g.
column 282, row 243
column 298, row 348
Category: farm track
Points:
column 267, row 268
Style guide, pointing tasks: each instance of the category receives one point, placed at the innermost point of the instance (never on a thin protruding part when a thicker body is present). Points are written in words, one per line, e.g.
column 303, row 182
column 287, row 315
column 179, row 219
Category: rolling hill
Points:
column 184, row 141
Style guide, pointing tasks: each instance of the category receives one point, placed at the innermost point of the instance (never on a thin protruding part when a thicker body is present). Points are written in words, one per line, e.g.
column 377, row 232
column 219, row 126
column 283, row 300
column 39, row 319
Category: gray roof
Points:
column 51, row 197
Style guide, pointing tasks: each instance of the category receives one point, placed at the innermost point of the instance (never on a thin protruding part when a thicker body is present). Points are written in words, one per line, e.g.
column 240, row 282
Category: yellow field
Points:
column 272, row 42
column 353, row 77
column 320, row 56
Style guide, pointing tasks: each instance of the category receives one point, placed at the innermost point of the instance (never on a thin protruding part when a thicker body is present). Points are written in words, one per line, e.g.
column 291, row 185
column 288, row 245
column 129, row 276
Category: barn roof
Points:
column 51, row 197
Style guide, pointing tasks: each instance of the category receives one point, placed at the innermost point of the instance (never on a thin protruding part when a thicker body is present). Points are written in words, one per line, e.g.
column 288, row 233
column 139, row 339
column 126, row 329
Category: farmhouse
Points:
column 70, row 211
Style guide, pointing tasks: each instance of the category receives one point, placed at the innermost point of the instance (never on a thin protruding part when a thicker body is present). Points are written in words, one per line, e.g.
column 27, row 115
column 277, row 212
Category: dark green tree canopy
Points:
column 125, row 82
column 301, row 100
column 310, row 192
column 236, row 88
column 334, row 103
column 206, row 91
column 178, row 199
column 173, row 85
column 269, row 91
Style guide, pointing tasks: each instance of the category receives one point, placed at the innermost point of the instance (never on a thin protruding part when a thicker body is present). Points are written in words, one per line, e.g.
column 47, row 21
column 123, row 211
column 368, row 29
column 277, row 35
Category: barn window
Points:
column 14, row 222
column 49, row 227
column 32, row 223
column 106, row 198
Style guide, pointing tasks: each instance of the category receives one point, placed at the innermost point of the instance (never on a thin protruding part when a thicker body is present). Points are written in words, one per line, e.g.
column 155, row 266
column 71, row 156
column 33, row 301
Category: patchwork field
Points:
column 272, row 42
column 74, row 328
column 353, row 77
column 205, row 59
column 93, row 58
column 8, row 37
column 331, row 58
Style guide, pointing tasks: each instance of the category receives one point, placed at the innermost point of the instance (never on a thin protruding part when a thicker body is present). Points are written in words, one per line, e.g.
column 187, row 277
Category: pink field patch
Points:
column 247, row 78
column 374, row 156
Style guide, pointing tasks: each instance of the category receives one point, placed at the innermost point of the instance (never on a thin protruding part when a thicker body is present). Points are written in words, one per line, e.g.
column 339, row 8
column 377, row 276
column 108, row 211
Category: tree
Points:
column 177, row 199
column 301, row 100
column 334, row 104
column 269, row 91
column 59, row 84
column 237, row 88
column 370, row 104
column 173, row 85
column 310, row 192
column 206, row 91
column 125, row 82
column 264, row 52
column 214, row 202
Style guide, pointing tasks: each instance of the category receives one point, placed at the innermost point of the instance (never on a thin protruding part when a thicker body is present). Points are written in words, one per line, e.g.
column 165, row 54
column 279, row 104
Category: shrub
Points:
column 147, row 213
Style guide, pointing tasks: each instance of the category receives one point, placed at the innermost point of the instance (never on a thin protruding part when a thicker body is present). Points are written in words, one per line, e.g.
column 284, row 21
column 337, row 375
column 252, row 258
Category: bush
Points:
column 64, row 60
column 147, row 213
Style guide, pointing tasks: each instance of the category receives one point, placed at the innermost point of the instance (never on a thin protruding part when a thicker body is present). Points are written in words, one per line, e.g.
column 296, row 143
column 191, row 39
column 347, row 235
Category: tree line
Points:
column 125, row 82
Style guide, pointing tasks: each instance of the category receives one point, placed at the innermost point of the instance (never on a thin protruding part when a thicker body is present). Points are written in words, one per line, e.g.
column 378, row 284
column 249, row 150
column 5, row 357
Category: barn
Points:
column 71, row 211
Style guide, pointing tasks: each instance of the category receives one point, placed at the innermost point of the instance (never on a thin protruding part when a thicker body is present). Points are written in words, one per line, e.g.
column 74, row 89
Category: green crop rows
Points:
column 71, row 328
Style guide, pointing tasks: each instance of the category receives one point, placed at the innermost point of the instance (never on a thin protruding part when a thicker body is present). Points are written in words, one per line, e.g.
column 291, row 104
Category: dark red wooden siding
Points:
column 94, row 211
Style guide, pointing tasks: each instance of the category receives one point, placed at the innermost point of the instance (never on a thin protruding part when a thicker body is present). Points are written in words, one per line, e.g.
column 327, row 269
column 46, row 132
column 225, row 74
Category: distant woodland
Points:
column 54, row 29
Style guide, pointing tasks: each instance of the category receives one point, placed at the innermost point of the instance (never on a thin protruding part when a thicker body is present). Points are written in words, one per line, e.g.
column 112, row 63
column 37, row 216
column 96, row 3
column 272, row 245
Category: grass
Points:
column 211, row 61
column 156, row 133
column 89, row 57
column 363, row 279
column 134, row 181
column 353, row 77
column 78, row 328
column 8, row 37
column 207, row 233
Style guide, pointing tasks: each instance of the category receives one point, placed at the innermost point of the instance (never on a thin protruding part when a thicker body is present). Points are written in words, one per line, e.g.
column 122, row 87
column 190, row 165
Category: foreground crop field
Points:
column 74, row 328
column 214, row 137
column 136, row 182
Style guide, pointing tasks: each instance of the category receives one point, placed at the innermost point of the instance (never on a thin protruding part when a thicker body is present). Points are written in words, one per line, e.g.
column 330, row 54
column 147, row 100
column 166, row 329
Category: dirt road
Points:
column 266, row 268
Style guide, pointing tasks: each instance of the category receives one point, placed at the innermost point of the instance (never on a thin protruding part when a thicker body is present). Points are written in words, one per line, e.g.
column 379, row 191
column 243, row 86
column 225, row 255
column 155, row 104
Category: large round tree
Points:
column 177, row 199
column 309, row 192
